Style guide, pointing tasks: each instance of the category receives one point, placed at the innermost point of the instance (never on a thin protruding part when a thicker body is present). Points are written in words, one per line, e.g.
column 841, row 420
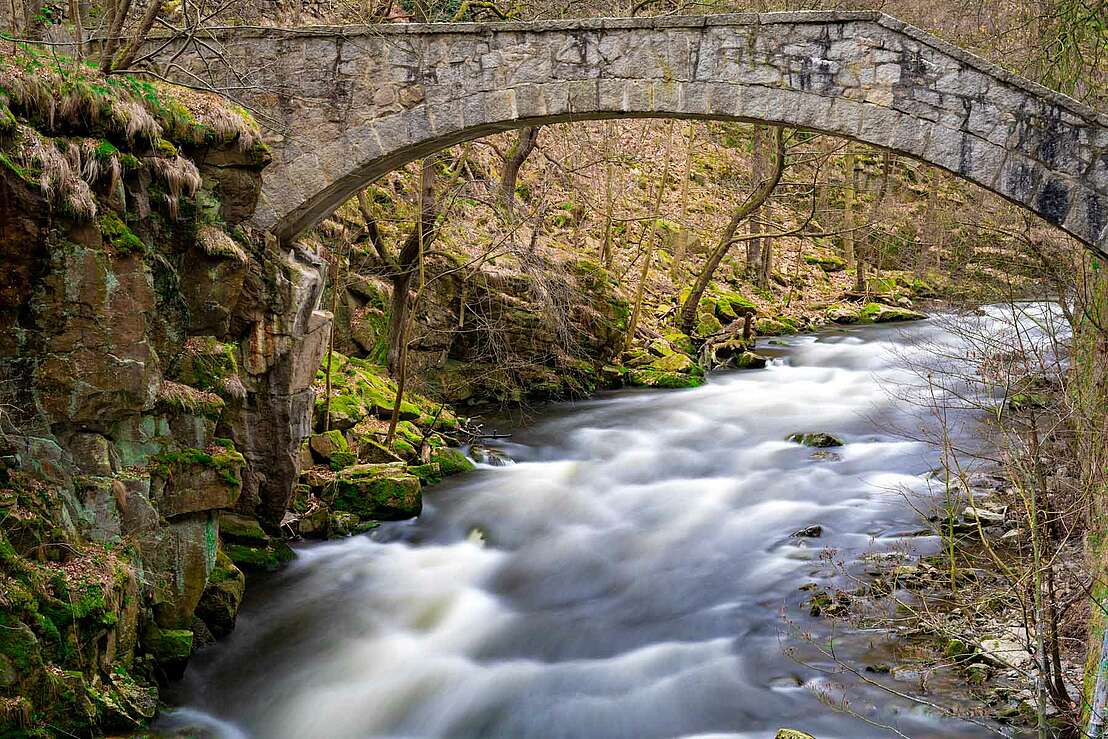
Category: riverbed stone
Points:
column 816, row 439
column 219, row 604
column 378, row 491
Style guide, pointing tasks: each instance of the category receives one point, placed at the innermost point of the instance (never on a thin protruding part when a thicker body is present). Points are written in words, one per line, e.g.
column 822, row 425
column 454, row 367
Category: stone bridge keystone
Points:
column 352, row 103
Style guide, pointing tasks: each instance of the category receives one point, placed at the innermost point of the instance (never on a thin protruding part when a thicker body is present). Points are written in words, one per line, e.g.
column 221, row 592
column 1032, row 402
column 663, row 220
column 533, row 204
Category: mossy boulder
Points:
column 249, row 547
column 219, row 605
column 377, row 492
column 749, row 360
column 673, row 362
column 728, row 305
column 451, row 461
column 256, row 558
column 327, row 445
column 170, row 648
column 815, row 439
column 649, row 377
column 826, row 262
column 880, row 313
column 194, row 480
column 792, row 734
column 775, row 326
column 707, row 324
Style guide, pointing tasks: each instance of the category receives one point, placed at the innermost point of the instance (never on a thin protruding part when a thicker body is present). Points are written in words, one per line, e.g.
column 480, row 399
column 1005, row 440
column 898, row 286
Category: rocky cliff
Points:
column 155, row 370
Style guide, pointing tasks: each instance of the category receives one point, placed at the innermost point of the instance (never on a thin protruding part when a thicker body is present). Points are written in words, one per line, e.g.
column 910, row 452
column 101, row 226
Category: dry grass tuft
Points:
column 181, row 177
column 59, row 176
column 216, row 243
column 234, row 388
column 188, row 399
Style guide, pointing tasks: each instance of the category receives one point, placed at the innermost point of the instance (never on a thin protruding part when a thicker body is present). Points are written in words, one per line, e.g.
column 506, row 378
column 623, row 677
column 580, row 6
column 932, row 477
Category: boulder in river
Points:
column 792, row 734
column 817, row 439
column 378, row 491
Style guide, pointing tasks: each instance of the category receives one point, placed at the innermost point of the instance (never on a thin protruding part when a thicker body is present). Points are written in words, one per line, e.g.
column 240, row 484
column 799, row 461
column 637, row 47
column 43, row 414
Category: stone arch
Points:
column 355, row 103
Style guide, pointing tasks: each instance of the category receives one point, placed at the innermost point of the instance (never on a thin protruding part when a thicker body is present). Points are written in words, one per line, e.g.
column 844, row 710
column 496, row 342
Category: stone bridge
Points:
column 352, row 103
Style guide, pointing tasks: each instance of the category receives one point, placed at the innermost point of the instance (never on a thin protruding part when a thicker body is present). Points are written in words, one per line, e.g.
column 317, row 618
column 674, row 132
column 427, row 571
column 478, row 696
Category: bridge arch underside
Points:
column 404, row 93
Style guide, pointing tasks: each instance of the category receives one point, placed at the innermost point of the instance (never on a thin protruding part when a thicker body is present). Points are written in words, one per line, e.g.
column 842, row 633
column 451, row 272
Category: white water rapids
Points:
column 637, row 579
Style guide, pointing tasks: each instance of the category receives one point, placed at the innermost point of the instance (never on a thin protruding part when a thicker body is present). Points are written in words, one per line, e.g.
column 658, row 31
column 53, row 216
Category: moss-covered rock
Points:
column 329, row 444
column 170, row 648
column 880, row 313
column 266, row 558
column 377, row 492
column 816, row 439
column 451, row 461
column 826, row 262
column 649, row 377
column 219, row 605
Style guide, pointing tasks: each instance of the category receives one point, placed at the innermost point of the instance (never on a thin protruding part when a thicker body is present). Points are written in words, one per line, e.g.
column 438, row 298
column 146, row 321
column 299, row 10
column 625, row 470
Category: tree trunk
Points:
column 525, row 142
column 405, row 266
column 606, row 245
column 681, row 242
column 754, row 227
column 648, row 252
column 848, row 207
column 756, row 200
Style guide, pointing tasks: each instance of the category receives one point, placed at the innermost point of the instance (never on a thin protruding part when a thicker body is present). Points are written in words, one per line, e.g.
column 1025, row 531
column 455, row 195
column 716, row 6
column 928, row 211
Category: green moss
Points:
column 105, row 150
column 21, row 172
column 165, row 148
column 428, row 474
column 118, row 235
column 869, row 313
column 7, row 120
column 377, row 491
column 707, row 324
column 207, row 363
column 648, row 377
column 130, row 161
column 267, row 558
column 226, row 461
column 451, row 461
column 341, row 459
column 167, row 645
column 828, row 263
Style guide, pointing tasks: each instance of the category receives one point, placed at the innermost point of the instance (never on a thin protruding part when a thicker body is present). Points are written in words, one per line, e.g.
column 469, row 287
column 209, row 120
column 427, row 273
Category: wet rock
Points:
column 814, row 531
column 822, row 455
column 1006, row 650
column 379, row 491
column 316, row 523
column 170, row 648
column 490, row 456
column 342, row 523
column 194, row 480
column 825, row 603
column 219, row 605
column 792, row 734
column 983, row 515
column 451, row 461
column 818, row 440
column 247, row 544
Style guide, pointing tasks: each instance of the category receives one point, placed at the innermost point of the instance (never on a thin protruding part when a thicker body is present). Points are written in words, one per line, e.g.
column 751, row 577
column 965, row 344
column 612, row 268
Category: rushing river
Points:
column 632, row 575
